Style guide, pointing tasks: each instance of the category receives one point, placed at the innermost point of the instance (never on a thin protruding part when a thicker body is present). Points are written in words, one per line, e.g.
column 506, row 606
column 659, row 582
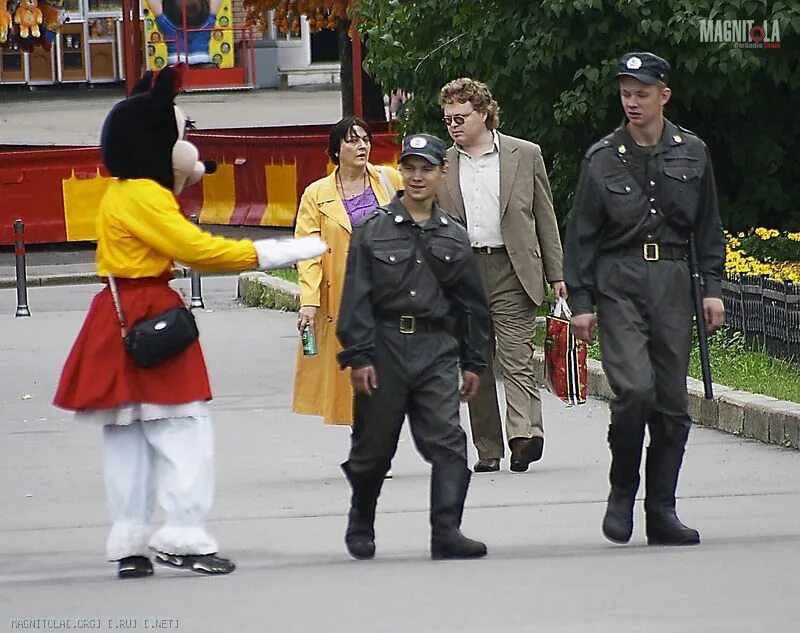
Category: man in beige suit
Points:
column 497, row 185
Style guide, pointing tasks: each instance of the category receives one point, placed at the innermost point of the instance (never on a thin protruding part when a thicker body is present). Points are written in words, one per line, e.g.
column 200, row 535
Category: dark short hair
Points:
column 341, row 131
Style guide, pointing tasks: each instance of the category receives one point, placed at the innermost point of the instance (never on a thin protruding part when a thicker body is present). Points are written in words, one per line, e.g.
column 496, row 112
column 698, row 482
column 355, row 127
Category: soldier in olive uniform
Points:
column 413, row 309
column 643, row 190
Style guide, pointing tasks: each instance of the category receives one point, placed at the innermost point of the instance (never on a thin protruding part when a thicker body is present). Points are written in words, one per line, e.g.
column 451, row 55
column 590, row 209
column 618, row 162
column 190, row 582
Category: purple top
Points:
column 358, row 206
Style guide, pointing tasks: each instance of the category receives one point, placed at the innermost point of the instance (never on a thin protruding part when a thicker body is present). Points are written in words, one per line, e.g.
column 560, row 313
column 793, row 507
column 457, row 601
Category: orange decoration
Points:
column 321, row 14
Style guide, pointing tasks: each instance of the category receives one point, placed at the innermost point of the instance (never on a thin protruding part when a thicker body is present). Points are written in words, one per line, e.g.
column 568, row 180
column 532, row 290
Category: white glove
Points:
column 275, row 253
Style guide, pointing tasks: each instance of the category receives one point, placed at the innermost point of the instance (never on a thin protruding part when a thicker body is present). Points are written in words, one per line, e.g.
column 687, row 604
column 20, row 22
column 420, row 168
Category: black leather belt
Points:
column 653, row 252
column 488, row 250
column 407, row 324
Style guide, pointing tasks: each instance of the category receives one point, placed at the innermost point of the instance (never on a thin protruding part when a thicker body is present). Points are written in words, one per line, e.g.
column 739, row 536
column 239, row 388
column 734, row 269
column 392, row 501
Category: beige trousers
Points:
column 513, row 319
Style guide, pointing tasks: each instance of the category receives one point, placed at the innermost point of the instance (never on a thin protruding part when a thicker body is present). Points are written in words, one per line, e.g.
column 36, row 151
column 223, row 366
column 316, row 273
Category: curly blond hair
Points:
column 477, row 93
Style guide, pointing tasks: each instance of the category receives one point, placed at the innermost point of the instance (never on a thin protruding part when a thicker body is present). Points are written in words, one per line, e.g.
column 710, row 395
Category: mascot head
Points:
column 142, row 136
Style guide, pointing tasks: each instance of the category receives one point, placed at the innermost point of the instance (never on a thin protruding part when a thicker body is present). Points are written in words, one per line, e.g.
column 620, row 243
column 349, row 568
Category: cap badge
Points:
column 622, row 149
column 418, row 142
column 634, row 63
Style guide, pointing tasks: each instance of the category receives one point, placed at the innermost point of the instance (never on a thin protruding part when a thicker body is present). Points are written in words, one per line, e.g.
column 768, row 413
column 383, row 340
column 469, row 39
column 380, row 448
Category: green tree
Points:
column 551, row 65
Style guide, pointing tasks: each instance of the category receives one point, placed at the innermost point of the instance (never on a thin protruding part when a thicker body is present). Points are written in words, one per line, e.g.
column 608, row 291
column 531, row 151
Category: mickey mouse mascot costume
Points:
column 157, row 433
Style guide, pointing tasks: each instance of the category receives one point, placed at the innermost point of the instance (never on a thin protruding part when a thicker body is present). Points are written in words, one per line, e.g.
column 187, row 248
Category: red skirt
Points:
column 99, row 374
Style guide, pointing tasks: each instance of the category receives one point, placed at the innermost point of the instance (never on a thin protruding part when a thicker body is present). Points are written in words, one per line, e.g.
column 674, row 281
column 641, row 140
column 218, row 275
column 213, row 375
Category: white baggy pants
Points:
column 172, row 458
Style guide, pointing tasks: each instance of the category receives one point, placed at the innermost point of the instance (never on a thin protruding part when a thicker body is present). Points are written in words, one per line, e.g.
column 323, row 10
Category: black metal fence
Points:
column 766, row 311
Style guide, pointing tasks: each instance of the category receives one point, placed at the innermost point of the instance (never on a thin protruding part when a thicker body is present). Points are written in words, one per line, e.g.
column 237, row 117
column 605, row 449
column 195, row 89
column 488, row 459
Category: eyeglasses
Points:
column 457, row 119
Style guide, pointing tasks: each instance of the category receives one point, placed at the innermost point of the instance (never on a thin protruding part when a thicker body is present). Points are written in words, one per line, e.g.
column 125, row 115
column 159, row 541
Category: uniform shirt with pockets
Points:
column 388, row 276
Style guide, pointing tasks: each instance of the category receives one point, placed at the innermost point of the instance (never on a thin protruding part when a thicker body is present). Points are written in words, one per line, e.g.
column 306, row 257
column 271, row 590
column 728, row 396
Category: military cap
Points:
column 645, row 67
column 431, row 148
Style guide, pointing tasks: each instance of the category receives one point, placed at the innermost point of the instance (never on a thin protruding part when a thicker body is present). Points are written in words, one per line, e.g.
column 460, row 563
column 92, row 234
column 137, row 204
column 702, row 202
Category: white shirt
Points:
column 479, row 179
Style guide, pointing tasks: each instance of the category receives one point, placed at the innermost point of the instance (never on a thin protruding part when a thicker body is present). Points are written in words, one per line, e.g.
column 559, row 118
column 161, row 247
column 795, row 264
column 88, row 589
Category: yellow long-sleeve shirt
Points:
column 141, row 231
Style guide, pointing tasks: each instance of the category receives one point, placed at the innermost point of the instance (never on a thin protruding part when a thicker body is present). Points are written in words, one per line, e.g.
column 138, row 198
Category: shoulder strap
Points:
column 112, row 285
column 417, row 237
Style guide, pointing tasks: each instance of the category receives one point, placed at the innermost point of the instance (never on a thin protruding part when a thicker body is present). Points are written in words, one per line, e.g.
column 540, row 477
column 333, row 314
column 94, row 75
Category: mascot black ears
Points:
column 142, row 135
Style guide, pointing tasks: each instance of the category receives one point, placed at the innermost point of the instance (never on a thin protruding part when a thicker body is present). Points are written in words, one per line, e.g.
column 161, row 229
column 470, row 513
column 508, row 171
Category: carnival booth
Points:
column 81, row 41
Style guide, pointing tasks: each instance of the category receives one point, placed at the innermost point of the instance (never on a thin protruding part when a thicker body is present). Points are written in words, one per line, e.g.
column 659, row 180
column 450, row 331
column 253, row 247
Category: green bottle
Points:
column 309, row 341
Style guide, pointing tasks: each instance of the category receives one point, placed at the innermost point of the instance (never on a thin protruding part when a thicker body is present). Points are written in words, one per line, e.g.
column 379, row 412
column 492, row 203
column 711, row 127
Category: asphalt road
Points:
column 281, row 506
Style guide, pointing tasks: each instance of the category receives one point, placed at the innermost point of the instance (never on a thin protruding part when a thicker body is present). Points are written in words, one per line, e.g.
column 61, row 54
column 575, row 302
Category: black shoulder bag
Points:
column 152, row 341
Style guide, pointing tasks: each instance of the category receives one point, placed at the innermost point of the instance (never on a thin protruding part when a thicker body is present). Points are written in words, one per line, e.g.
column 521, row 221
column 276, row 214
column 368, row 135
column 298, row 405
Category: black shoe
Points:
column 200, row 563
column 134, row 567
column 360, row 546
column 456, row 546
column 664, row 528
column 491, row 465
column 524, row 452
column 618, row 520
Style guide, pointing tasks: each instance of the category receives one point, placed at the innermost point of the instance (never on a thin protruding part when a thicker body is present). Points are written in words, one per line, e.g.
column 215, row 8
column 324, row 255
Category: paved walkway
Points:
column 281, row 505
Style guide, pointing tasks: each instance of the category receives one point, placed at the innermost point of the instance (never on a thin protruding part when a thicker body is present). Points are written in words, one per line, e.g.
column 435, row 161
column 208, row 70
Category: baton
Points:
column 702, row 334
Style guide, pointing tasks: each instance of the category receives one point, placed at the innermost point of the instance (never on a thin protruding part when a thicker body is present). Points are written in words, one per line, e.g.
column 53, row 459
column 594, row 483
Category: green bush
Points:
column 551, row 65
column 776, row 249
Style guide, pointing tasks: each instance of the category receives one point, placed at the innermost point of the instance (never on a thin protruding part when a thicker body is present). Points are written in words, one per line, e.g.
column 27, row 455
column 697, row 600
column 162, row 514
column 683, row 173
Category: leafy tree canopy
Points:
column 551, row 66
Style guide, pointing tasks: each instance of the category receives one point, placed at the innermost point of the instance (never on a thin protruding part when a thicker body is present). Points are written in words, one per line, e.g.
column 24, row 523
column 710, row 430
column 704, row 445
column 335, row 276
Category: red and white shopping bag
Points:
column 564, row 357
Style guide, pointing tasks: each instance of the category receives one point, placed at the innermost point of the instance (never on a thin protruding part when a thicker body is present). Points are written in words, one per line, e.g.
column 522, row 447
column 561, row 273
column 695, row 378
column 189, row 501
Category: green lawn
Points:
column 289, row 274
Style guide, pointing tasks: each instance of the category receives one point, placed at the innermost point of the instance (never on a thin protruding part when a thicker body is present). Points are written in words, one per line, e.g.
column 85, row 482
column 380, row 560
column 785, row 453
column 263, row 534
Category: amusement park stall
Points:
column 84, row 41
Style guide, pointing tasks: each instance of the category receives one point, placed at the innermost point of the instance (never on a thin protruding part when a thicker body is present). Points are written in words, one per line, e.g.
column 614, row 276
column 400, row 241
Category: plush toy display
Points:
column 53, row 16
column 28, row 16
column 5, row 22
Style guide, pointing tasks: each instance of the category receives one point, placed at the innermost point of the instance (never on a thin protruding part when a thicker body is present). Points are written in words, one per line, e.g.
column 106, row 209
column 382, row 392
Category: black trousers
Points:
column 645, row 315
column 418, row 376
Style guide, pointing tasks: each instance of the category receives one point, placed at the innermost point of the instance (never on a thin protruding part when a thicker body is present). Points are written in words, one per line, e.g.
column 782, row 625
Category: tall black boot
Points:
column 664, row 458
column 449, row 483
column 360, row 535
column 626, row 457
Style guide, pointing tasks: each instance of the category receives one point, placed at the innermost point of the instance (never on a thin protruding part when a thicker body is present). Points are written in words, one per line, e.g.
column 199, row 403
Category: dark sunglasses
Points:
column 458, row 119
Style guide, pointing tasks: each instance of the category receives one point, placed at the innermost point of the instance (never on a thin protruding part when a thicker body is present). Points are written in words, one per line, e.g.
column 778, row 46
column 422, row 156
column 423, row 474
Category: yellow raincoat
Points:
column 320, row 387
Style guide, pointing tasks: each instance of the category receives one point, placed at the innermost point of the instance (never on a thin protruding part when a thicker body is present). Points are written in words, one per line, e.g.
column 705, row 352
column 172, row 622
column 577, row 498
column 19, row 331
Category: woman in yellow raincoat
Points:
column 329, row 209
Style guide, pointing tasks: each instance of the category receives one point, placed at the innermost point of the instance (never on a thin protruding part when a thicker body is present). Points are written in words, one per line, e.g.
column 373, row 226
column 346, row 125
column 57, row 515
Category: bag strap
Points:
column 562, row 308
column 112, row 285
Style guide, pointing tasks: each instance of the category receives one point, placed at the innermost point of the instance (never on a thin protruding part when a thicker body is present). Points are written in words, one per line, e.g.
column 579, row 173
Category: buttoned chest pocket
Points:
column 389, row 265
column 446, row 259
column 622, row 198
column 681, row 188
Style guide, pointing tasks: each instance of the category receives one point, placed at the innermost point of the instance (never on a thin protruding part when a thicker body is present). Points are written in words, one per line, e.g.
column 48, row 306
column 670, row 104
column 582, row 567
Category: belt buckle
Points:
column 408, row 324
column 651, row 252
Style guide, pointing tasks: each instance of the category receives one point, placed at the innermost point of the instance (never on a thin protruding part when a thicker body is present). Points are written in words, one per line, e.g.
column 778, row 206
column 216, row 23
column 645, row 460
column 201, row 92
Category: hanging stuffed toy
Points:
column 5, row 22
column 28, row 16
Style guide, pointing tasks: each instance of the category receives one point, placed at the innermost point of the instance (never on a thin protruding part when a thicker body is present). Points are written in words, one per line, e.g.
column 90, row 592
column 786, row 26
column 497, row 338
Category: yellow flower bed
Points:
column 737, row 262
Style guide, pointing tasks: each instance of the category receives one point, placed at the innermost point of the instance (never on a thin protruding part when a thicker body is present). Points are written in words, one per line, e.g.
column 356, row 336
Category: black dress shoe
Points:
column 134, row 567
column 491, row 465
column 524, row 452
